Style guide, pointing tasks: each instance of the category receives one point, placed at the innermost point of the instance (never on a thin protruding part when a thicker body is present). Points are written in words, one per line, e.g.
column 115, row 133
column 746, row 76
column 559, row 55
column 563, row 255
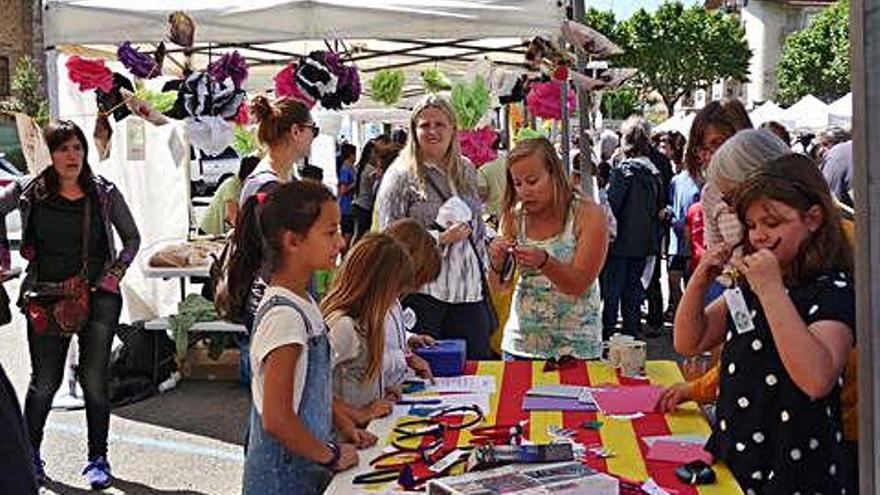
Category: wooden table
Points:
column 513, row 379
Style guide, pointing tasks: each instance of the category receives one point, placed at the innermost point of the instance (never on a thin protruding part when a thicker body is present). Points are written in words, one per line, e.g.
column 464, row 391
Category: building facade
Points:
column 767, row 24
column 20, row 34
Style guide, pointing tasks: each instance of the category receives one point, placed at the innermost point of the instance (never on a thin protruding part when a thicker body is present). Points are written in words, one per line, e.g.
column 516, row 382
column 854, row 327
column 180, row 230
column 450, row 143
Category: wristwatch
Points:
column 331, row 464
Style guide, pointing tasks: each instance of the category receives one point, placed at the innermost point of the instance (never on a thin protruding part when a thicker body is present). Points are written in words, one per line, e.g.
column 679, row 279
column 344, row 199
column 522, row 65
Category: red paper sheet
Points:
column 626, row 400
column 678, row 452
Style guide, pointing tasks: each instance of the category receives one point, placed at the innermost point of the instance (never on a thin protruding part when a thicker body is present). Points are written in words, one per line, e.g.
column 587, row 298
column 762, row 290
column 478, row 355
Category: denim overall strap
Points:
column 269, row 467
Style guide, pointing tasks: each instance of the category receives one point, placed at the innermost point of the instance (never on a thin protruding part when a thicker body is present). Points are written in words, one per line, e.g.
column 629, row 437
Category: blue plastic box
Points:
column 446, row 358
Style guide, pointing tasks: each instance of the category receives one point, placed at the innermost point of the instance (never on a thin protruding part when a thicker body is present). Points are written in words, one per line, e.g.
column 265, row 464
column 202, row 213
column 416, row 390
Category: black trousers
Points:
column 363, row 222
column 17, row 474
column 48, row 356
column 443, row 320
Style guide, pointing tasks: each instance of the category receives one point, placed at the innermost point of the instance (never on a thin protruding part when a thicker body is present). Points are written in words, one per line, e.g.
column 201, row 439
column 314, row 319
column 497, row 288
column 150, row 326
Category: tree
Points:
column 27, row 90
column 676, row 49
column 816, row 60
column 620, row 103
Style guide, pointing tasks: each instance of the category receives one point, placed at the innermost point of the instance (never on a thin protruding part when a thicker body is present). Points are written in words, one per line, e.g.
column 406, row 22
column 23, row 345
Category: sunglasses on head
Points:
column 560, row 363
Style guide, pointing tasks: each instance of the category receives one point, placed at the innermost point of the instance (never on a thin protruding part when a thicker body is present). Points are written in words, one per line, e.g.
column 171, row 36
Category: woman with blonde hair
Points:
column 429, row 173
column 559, row 241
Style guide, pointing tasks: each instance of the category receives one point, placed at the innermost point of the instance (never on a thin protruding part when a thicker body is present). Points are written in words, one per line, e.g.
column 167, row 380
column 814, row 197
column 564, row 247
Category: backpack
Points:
column 229, row 306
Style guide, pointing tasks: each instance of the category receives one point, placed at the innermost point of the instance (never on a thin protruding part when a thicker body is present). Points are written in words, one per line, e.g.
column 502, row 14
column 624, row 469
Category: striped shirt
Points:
column 401, row 195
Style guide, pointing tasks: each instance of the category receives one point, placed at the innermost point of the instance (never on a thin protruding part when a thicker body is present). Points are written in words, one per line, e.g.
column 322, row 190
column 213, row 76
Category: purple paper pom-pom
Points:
column 139, row 64
column 231, row 65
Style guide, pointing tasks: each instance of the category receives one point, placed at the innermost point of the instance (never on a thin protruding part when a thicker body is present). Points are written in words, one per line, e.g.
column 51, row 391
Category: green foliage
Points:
column 620, row 104
column 816, row 60
column 387, row 85
column 27, row 92
column 677, row 49
column 470, row 102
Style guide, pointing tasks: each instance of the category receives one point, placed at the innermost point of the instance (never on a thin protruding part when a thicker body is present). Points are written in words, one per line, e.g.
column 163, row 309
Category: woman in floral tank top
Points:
column 558, row 241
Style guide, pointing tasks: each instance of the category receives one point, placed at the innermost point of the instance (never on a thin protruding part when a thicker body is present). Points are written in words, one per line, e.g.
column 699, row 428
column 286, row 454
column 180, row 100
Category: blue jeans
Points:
column 622, row 291
column 270, row 468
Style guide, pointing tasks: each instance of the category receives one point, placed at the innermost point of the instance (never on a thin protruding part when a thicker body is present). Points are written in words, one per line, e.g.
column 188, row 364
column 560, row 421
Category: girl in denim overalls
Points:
column 289, row 446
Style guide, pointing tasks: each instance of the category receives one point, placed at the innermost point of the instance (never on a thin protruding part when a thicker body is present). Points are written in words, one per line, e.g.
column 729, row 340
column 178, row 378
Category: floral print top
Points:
column 544, row 322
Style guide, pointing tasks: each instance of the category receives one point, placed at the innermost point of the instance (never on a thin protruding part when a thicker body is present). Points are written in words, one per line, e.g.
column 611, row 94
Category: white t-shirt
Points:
column 344, row 342
column 281, row 326
column 394, row 367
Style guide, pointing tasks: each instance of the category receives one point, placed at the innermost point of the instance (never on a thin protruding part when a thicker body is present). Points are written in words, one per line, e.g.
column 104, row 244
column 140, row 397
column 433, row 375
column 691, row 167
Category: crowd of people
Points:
column 424, row 246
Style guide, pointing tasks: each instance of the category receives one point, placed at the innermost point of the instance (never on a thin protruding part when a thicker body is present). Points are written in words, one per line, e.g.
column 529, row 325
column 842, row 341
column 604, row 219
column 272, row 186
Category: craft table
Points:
column 180, row 273
column 514, row 378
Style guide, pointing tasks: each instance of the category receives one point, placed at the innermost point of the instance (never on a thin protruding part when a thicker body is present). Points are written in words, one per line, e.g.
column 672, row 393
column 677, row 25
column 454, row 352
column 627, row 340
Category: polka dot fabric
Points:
column 774, row 438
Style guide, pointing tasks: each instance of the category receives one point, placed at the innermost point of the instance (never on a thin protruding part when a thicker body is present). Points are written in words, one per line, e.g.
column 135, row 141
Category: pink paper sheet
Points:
column 625, row 400
column 678, row 452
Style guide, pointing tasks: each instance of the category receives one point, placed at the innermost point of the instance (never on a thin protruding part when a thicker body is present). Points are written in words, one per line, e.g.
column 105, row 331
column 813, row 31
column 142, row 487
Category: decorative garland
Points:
column 387, row 86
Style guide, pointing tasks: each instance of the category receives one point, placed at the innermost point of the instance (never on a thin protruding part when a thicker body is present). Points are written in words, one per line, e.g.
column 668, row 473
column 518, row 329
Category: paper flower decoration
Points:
column 243, row 116
column 210, row 134
column 231, row 65
column 477, row 145
column 139, row 64
column 199, row 95
column 470, row 101
column 435, row 80
column 528, row 133
column 387, row 85
column 286, row 87
column 89, row 74
column 113, row 102
column 181, row 29
column 162, row 101
column 543, row 100
column 245, row 142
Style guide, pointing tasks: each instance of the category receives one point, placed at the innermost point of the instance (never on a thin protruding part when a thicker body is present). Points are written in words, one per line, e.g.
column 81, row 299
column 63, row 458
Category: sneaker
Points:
column 98, row 473
column 40, row 470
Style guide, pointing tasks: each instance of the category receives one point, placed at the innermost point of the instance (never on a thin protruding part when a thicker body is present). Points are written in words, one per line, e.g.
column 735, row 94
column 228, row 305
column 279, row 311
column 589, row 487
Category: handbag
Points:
column 494, row 322
column 62, row 308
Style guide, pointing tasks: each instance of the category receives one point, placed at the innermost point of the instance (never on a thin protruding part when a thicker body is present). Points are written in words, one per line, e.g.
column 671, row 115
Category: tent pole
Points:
column 578, row 14
column 865, row 18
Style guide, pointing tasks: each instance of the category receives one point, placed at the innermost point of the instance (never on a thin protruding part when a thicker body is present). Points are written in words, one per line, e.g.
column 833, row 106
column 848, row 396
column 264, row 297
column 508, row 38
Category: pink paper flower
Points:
column 284, row 82
column 543, row 100
column 89, row 74
column 244, row 115
column 476, row 145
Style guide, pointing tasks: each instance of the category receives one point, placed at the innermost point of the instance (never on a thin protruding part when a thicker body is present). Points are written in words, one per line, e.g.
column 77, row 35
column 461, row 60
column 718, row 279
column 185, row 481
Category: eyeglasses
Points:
column 560, row 363
column 315, row 129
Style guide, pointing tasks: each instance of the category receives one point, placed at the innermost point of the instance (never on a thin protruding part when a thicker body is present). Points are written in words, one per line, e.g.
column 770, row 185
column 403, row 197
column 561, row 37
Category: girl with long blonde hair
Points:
column 376, row 271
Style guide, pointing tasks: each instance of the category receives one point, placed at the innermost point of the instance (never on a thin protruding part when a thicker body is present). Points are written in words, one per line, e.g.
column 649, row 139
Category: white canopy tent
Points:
column 840, row 112
column 269, row 33
column 808, row 113
column 679, row 122
column 262, row 21
column 770, row 111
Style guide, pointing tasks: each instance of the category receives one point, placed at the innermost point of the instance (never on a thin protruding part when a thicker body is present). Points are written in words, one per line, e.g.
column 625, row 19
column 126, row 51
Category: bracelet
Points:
column 543, row 263
column 331, row 464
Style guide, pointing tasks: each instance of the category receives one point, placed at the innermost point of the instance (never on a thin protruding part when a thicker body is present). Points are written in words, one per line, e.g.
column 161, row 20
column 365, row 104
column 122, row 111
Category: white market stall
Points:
column 808, row 113
column 149, row 163
column 770, row 112
column 679, row 122
column 840, row 112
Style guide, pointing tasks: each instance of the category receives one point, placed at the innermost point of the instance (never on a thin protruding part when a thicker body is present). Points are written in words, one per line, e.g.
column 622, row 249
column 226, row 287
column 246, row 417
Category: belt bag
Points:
column 62, row 308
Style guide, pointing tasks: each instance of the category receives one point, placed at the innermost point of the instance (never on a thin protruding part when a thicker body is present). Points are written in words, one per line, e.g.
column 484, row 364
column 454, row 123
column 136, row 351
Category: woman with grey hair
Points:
column 636, row 198
column 431, row 173
column 738, row 158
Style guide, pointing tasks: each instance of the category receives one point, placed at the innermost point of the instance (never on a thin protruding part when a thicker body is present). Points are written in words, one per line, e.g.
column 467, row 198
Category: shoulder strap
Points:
column 470, row 237
column 282, row 301
column 87, row 225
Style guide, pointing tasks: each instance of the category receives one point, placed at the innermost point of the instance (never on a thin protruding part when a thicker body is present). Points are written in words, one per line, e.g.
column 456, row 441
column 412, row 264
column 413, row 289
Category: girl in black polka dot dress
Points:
column 787, row 327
